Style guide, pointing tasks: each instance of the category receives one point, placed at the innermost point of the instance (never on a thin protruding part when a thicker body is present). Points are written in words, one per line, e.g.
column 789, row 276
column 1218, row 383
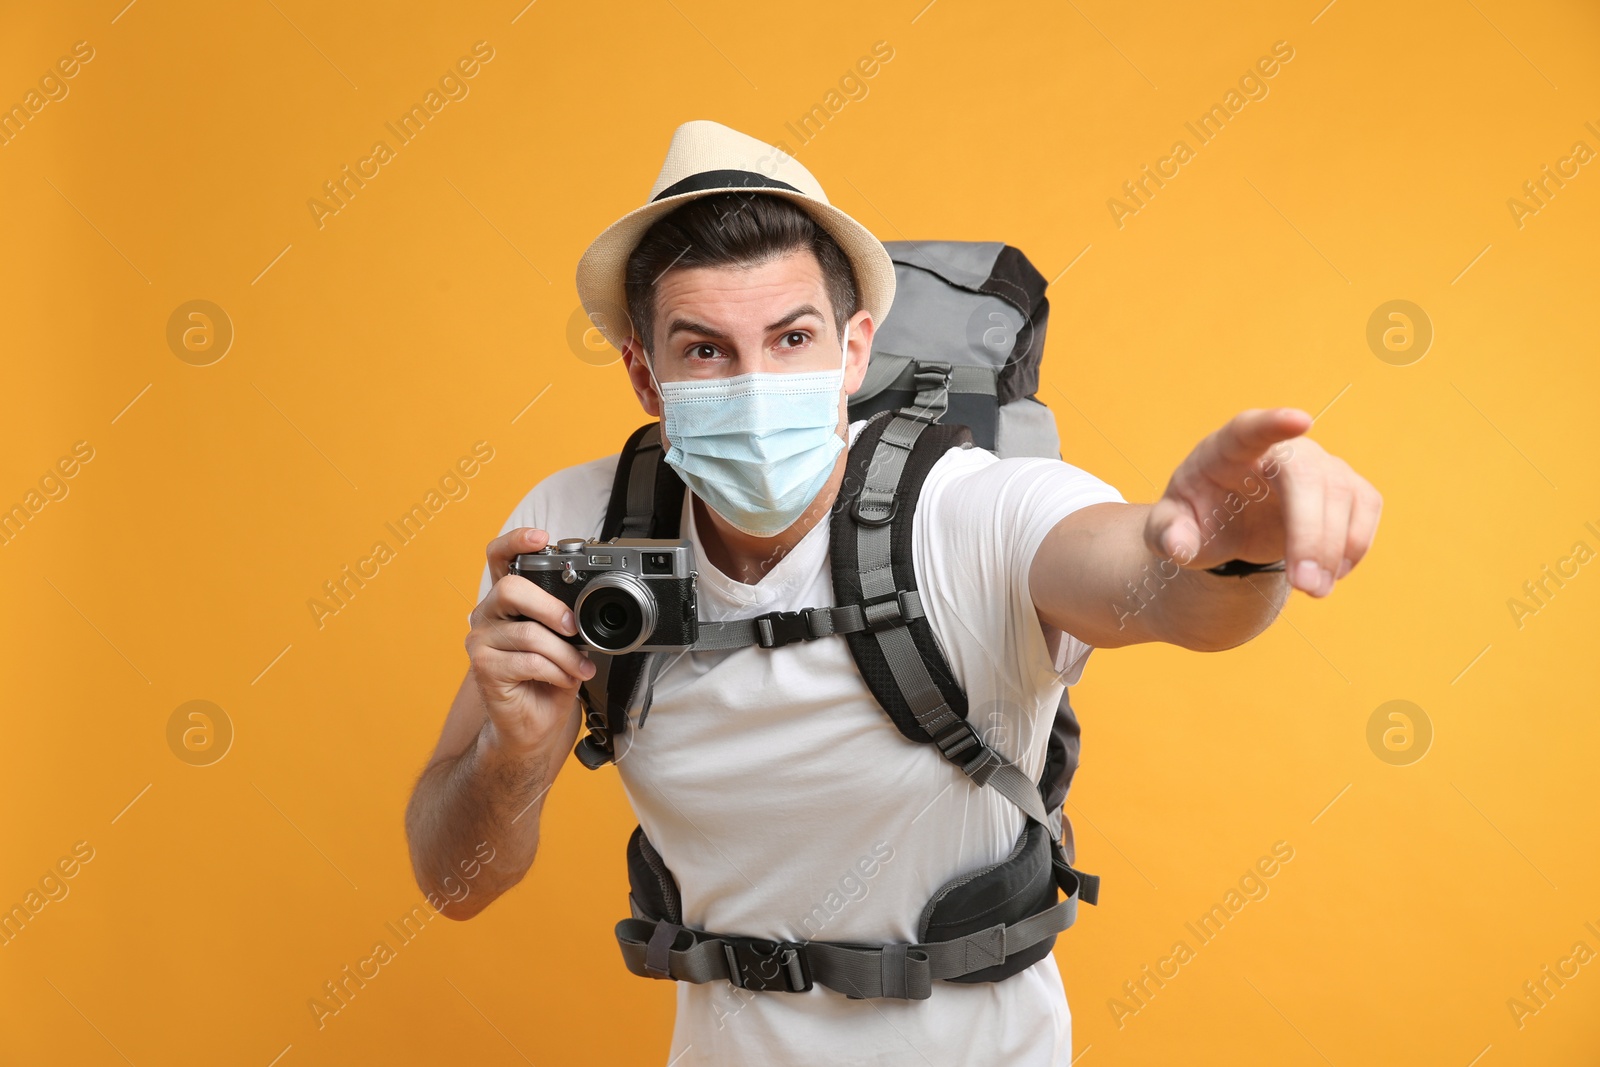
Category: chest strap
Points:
column 778, row 628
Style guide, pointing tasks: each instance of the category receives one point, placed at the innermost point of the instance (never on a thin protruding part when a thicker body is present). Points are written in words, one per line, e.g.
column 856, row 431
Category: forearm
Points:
column 492, row 794
column 1095, row 577
column 1206, row 612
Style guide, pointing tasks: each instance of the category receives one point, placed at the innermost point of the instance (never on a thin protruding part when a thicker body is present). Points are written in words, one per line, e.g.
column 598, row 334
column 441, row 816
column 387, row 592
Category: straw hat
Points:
column 705, row 158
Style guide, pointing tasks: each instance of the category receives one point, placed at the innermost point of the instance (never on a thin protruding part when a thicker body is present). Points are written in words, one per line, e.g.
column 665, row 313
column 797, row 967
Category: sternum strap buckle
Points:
column 778, row 628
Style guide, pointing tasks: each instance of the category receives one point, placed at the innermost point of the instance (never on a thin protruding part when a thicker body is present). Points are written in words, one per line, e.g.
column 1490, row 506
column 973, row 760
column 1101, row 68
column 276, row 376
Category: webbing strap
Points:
column 1008, row 780
column 932, row 399
column 955, row 737
column 964, row 379
column 882, row 371
column 778, row 628
column 596, row 690
column 898, row 970
column 642, row 485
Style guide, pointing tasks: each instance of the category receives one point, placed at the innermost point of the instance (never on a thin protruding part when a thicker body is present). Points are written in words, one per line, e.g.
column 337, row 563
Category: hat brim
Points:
column 602, row 268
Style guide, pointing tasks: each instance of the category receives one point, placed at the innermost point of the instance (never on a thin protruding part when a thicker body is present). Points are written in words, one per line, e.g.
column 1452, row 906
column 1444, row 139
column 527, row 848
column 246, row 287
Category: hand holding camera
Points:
column 526, row 667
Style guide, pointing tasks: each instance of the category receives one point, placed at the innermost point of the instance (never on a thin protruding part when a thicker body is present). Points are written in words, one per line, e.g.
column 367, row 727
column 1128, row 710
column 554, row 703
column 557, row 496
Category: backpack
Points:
column 955, row 366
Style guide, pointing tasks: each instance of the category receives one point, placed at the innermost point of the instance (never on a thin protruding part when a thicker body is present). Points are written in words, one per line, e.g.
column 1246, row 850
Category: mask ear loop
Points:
column 661, row 400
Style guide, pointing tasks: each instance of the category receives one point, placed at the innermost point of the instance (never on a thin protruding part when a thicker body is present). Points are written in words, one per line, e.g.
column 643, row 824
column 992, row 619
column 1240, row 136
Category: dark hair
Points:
column 733, row 230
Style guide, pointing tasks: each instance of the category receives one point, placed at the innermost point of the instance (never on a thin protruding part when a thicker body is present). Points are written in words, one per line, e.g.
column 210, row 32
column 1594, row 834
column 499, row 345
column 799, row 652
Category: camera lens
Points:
column 616, row 612
column 611, row 619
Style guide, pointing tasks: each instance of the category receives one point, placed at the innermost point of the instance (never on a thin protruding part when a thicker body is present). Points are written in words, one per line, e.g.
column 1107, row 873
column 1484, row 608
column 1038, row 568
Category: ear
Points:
column 644, row 388
column 855, row 368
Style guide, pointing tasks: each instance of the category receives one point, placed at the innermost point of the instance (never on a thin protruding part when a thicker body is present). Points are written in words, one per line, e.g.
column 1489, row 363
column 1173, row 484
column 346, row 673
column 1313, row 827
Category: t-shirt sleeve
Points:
column 569, row 503
column 991, row 515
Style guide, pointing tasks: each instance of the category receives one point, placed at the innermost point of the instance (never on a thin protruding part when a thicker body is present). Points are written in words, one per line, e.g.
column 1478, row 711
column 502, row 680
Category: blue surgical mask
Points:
column 757, row 447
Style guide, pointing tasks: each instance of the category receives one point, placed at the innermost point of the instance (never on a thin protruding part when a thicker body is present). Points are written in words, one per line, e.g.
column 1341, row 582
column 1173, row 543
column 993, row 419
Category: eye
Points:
column 794, row 339
column 702, row 351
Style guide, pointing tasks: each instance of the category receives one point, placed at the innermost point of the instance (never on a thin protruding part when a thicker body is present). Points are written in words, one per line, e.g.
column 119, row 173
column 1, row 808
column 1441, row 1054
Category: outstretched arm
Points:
column 1119, row 574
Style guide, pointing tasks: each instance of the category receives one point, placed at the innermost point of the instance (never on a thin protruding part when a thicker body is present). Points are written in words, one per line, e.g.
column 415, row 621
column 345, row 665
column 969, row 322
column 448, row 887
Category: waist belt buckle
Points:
column 767, row 965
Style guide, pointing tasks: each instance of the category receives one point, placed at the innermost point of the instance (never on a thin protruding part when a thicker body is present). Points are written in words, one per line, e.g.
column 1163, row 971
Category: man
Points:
column 775, row 789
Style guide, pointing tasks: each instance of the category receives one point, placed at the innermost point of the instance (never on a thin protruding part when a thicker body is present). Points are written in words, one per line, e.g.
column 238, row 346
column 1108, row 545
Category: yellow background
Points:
column 429, row 312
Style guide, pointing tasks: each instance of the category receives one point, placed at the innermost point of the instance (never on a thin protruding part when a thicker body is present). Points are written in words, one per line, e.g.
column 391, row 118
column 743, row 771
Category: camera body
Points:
column 628, row 594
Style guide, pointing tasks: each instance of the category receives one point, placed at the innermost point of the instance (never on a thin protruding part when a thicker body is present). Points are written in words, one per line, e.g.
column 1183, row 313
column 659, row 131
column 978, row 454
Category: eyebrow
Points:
column 798, row 313
column 691, row 326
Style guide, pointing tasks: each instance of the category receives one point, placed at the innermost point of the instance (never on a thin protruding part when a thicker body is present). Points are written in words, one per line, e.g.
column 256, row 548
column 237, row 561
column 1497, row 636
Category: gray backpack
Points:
column 955, row 365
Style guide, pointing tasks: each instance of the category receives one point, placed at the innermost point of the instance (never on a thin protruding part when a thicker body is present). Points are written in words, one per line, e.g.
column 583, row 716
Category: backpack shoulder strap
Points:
column 646, row 501
column 871, row 553
column 646, row 494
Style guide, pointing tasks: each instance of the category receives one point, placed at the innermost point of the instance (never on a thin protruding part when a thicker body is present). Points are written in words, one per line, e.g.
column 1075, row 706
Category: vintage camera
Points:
column 627, row 594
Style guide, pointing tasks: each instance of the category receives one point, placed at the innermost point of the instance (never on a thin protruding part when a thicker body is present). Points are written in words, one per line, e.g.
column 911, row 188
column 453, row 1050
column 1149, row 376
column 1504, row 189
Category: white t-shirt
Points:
column 789, row 807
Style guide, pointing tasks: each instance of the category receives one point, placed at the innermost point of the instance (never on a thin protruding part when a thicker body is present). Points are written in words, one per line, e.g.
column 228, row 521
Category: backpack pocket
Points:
column 652, row 891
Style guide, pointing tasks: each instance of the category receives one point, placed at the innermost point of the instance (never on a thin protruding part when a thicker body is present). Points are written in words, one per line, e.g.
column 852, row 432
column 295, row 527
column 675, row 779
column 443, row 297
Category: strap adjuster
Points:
column 778, row 628
column 977, row 760
column 760, row 965
column 957, row 738
column 891, row 610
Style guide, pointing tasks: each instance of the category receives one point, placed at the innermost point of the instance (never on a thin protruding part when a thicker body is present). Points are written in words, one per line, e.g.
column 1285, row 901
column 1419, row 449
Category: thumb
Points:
column 1171, row 531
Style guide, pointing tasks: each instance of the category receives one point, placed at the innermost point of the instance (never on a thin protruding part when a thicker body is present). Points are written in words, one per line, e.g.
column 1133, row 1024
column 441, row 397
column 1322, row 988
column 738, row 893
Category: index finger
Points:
column 1250, row 433
column 505, row 548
